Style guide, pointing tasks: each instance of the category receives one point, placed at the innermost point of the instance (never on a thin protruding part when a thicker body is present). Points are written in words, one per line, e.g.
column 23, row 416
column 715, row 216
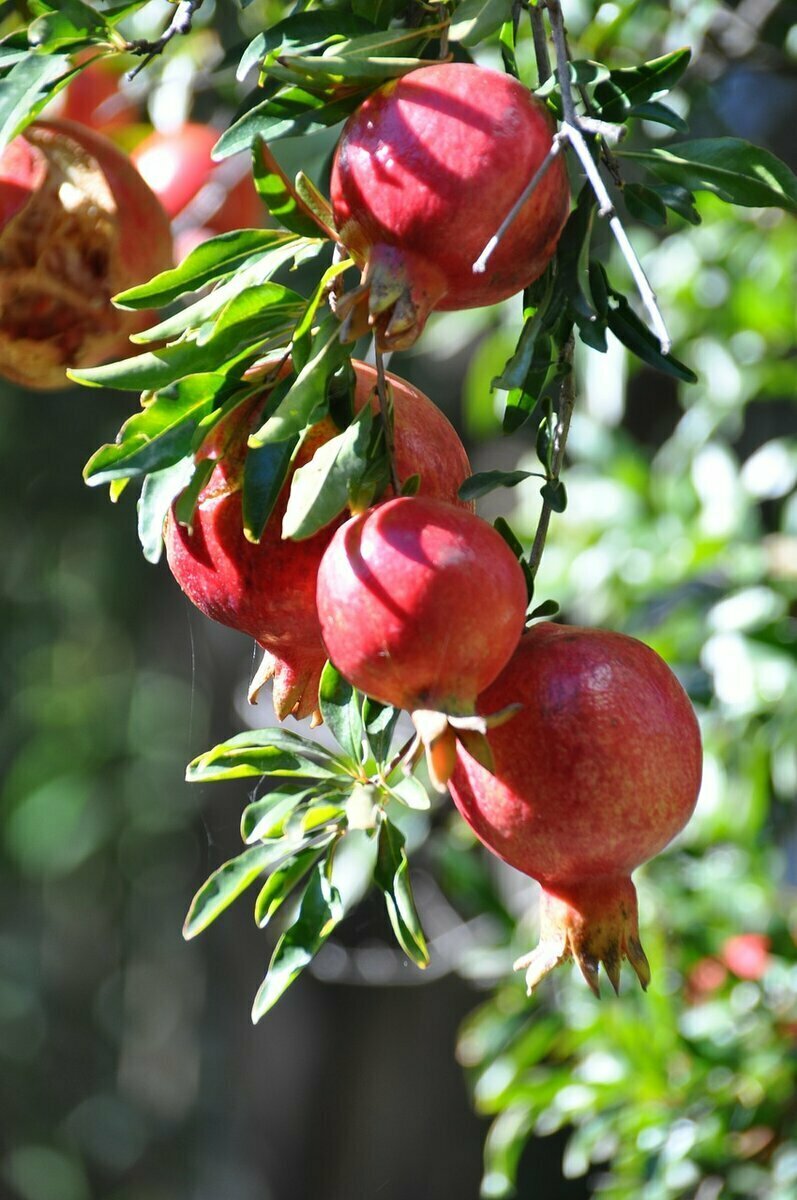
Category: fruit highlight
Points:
column 425, row 171
column 595, row 774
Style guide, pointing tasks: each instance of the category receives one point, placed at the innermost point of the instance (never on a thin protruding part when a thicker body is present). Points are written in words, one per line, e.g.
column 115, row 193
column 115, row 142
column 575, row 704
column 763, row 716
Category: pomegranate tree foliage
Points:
column 691, row 1085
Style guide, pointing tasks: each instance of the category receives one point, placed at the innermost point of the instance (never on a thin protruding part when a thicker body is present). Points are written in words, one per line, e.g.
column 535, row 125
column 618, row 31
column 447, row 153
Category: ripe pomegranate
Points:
column 178, row 167
column 421, row 604
column 94, row 98
column 595, row 775
column 77, row 225
column 267, row 590
column 425, row 171
column 747, row 955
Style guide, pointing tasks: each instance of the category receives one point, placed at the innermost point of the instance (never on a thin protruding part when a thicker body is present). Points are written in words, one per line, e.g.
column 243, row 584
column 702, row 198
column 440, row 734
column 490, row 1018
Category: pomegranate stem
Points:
column 386, row 409
column 567, row 399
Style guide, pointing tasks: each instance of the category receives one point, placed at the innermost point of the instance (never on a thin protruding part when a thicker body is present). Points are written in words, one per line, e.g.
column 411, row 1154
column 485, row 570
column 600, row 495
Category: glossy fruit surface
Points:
column 178, row 165
column 594, row 775
column 426, row 170
column 78, row 225
column 421, row 604
column 268, row 590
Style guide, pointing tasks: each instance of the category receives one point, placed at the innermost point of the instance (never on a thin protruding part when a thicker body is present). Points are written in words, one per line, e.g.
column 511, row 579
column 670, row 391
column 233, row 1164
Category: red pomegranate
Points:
column 595, row 775
column 178, row 167
column 747, row 955
column 268, row 590
column 421, row 604
column 77, row 225
column 425, row 171
column 94, row 97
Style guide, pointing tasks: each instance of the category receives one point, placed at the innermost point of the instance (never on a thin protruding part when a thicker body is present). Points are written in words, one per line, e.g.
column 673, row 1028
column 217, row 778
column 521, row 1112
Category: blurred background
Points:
column 129, row 1069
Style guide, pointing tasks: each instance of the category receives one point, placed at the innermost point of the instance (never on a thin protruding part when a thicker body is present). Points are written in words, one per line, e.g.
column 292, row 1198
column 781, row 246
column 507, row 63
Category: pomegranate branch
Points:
column 386, row 410
column 572, row 131
column 180, row 24
column 567, row 399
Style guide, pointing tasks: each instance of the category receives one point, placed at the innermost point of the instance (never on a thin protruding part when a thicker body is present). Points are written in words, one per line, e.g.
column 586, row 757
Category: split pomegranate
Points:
column 178, row 167
column 426, row 170
column 268, row 590
column 77, row 225
column 421, row 604
column 594, row 775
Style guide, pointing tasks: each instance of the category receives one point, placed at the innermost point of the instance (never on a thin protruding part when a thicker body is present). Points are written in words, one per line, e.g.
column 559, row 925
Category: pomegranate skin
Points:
column 421, row 604
column 426, row 170
column 77, row 225
column 268, row 590
column 595, row 774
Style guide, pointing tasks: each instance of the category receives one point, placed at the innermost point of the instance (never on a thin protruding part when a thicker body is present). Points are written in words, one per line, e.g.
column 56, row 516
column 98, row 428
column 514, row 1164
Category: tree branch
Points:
column 386, row 409
column 567, row 399
column 179, row 24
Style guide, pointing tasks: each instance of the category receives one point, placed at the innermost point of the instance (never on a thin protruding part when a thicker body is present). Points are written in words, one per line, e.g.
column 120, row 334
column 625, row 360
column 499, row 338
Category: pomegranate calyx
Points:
column 438, row 735
column 596, row 924
column 401, row 290
column 295, row 690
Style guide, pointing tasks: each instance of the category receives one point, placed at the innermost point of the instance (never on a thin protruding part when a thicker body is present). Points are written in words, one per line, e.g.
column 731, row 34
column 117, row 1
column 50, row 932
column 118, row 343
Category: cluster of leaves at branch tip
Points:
column 318, row 798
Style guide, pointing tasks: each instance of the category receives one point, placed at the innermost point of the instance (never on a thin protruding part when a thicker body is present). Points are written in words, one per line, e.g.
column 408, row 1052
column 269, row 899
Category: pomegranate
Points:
column 421, row 604
column 425, row 171
column 77, row 225
column 178, row 167
column 747, row 955
column 267, row 590
column 94, row 97
column 595, row 775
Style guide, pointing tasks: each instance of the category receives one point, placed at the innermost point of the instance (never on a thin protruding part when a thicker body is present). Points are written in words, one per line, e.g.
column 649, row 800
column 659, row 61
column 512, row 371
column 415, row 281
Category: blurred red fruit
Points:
column 747, row 955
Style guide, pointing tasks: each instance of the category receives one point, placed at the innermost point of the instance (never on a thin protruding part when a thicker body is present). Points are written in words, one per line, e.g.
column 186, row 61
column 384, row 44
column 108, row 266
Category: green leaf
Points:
column 340, row 470
column 263, row 752
column 391, row 875
column 73, row 22
column 280, row 196
column 487, row 481
column 679, row 199
column 158, row 436
column 475, row 20
column 635, row 335
column 207, row 263
column 265, row 819
column 659, row 114
column 305, row 403
column 24, row 91
column 320, row 911
column 340, row 708
column 730, row 168
column 548, row 608
column 293, row 112
column 410, row 791
column 186, row 502
column 644, row 204
column 380, row 722
column 281, row 882
column 554, row 494
column 265, row 471
column 226, row 884
column 630, row 86
column 502, row 526
column 158, row 493
column 301, row 33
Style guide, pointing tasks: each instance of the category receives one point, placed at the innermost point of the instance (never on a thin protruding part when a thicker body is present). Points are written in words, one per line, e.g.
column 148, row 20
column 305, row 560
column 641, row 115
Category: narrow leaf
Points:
column 158, row 493
column 226, row 884
column 732, row 169
column 487, row 481
column 340, row 708
column 474, row 20
column 280, row 883
column 391, row 875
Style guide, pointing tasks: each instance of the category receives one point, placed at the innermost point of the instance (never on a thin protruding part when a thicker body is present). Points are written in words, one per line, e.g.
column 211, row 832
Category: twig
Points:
column 572, row 131
column 386, row 409
column 180, row 23
column 567, row 399
column 399, row 756
column 540, row 45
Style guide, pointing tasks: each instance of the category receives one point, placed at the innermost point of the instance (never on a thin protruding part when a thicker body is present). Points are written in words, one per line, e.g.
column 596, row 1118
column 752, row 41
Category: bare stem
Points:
column 540, row 45
column 480, row 265
column 567, row 399
column 386, row 409
column 179, row 24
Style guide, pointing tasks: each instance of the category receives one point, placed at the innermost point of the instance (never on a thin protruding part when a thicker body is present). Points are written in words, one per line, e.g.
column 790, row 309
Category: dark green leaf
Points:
column 306, row 402
column 380, row 723
column 226, row 884
column 548, row 608
column 320, row 911
column 265, row 471
column 301, row 33
column 281, row 882
column 554, row 494
column 644, row 204
column 209, row 262
column 159, row 491
column 503, row 527
column 679, row 199
column 73, row 23
column 630, row 86
column 186, row 502
column 635, row 335
column 474, row 20
column 487, row 481
column 336, row 474
column 391, row 875
column 263, row 752
column 379, row 12
column 732, row 169
column 25, row 89
column 340, row 708
column 291, row 113
column 660, row 114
